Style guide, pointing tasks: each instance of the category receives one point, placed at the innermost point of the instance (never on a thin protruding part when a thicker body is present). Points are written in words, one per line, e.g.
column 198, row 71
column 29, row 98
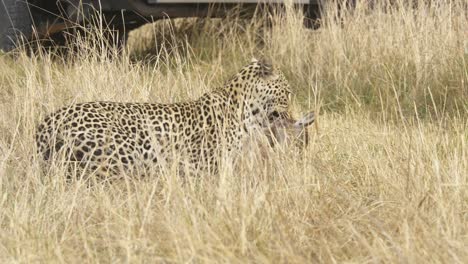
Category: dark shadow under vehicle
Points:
column 25, row 20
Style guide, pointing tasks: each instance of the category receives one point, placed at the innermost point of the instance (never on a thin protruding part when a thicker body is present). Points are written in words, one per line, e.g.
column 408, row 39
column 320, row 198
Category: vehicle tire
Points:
column 312, row 15
column 15, row 23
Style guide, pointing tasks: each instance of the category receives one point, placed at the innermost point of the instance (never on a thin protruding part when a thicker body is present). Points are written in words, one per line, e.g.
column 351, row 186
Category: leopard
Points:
column 110, row 138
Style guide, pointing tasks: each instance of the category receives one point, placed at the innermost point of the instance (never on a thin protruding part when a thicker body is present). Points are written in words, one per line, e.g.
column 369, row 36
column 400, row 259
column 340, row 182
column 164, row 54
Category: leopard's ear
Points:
column 266, row 67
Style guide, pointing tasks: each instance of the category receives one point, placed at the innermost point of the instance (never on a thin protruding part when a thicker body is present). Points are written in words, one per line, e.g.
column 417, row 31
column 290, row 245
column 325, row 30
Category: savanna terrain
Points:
column 383, row 179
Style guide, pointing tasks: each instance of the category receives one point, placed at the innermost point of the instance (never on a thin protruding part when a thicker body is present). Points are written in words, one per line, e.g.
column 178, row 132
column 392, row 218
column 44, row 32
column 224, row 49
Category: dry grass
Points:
column 384, row 179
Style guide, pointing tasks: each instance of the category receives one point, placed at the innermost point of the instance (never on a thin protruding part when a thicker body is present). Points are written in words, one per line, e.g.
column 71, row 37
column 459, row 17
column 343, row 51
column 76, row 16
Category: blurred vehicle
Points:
column 29, row 19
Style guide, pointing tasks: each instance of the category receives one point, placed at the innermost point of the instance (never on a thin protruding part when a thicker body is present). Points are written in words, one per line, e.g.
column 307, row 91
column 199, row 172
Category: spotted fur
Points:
column 112, row 137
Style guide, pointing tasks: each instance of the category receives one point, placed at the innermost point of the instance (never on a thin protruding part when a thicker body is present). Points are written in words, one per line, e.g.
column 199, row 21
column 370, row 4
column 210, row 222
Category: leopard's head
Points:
column 258, row 90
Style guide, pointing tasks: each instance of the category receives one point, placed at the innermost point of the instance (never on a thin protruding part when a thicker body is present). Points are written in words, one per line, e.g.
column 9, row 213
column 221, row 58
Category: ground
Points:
column 383, row 179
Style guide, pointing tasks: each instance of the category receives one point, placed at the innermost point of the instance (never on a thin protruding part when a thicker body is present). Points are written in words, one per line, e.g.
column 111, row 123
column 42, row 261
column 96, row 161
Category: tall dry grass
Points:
column 384, row 179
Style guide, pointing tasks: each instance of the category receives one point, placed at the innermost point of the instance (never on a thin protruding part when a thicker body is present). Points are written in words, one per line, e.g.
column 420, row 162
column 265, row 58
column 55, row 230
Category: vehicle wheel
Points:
column 15, row 23
column 312, row 15
column 119, row 38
